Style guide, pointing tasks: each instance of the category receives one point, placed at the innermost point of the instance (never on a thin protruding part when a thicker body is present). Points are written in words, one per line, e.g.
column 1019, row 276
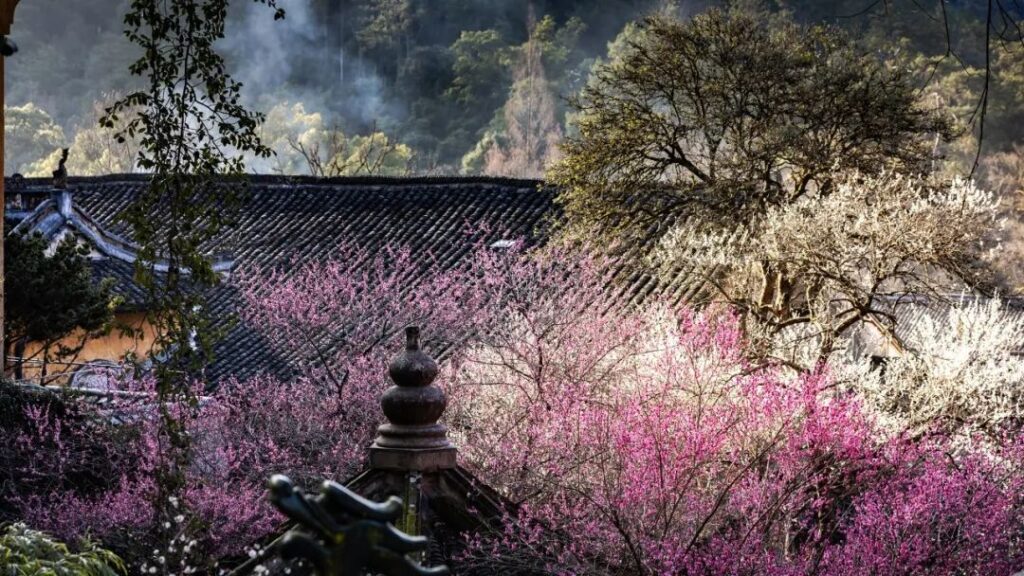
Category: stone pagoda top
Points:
column 412, row 439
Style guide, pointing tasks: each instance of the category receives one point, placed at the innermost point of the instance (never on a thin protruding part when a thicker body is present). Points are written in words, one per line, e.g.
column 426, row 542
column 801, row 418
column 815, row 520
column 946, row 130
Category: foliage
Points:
column 1006, row 107
column 721, row 117
column 26, row 552
column 479, row 68
column 302, row 144
column 532, row 132
column 632, row 440
column 722, row 137
column 386, row 30
column 388, row 63
column 386, row 21
column 190, row 127
column 961, row 378
column 53, row 445
column 398, row 64
column 50, row 296
column 957, row 89
column 1003, row 173
column 974, row 38
column 29, row 134
column 287, row 126
column 338, row 324
column 70, row 55
column 95, row 150
column 218, row 511
column 839, row 259
column 641, row 442
column 556, row 46
column 327, row 317
column 192, row 131
column 523, row 136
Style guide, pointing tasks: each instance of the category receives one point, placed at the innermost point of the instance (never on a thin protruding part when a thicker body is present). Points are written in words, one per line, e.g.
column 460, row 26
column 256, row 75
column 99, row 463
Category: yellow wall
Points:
column 113, row 346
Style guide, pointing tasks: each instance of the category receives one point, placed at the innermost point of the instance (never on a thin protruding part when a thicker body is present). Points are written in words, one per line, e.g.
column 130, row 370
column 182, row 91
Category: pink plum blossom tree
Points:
column 629, row 440
column 642, row 442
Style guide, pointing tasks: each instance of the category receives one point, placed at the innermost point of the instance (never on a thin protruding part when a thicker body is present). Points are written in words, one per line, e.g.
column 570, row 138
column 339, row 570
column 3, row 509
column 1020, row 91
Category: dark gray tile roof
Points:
column 288, row 222
column 131, row 294
column 285, row 222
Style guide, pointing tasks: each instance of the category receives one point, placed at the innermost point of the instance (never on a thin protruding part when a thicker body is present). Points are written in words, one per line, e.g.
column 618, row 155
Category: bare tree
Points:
column 337, row 155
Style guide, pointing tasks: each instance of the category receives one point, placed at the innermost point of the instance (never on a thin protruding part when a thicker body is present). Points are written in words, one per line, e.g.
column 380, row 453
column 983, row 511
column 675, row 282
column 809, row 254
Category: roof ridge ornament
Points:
column 342, row 533
column 412, row 439
column 60, row 175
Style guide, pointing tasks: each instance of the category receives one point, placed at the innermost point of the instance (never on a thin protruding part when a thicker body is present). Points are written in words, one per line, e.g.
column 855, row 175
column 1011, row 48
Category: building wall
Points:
column 112, row 347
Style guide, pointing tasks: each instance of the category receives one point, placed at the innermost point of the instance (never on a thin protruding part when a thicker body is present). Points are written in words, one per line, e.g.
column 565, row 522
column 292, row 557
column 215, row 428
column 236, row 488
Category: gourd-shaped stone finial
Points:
column 412, row 439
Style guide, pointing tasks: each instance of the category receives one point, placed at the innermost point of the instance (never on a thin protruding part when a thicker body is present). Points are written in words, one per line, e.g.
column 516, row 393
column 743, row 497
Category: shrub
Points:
column 645, row 444
column 26, row 552
column 54, row 444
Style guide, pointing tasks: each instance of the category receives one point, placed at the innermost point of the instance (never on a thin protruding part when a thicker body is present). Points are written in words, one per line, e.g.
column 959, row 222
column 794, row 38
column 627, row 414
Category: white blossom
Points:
column 821, row 262
column 963, row 375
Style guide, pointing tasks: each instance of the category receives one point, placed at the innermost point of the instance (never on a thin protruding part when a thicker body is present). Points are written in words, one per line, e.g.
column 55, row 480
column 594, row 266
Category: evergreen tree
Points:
column 50, row 297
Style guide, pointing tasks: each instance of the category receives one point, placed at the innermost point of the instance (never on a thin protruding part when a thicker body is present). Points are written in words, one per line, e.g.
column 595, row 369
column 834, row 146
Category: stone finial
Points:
column 412, row 439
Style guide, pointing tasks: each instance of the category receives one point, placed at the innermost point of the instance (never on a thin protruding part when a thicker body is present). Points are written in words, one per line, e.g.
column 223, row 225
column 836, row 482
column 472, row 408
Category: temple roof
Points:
column 285, row 222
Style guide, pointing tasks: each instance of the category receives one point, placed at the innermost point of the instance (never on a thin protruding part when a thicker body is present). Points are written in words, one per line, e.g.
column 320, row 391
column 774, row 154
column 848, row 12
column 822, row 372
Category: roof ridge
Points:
column 334, row 180
column 1012, row 298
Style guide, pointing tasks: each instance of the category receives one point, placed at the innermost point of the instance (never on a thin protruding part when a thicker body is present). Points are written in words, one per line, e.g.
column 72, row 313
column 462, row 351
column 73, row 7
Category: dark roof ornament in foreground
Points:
column 413, row 440
column 60, row 175
column 344, row 534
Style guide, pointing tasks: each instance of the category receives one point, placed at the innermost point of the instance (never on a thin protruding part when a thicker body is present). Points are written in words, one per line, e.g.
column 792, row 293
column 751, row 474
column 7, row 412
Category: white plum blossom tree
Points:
column 804, row 273
column 965, row 376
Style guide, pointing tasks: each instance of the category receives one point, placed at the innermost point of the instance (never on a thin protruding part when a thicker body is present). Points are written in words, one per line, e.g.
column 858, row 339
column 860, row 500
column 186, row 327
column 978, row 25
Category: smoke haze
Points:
column 387, row 66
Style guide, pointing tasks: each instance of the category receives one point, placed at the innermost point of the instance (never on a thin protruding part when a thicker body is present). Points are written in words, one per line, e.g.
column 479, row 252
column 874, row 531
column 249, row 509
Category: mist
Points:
column 388, row 67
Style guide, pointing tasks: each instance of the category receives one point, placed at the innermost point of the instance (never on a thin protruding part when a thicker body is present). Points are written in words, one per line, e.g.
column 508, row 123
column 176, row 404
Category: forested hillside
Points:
column 450, row 86
column 754, row 321
column 431, row 76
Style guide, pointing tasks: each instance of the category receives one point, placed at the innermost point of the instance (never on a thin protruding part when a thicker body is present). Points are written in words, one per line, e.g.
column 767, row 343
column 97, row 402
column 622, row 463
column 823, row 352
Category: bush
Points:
column 26, row 552
column 642, row 442
column 54, row 444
